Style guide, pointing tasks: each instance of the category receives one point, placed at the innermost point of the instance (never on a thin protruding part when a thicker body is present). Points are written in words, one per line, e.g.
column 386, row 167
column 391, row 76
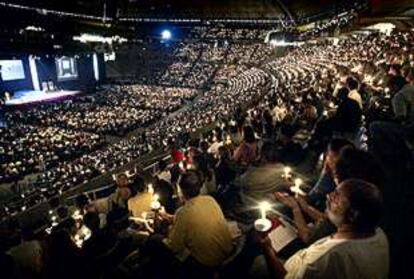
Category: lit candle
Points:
column 296, row 189
column 264, row 207
column 150, row 188
column 263, row 224
column 155, row 204
column 369, row 79
column 228, row 139
column 287, row 171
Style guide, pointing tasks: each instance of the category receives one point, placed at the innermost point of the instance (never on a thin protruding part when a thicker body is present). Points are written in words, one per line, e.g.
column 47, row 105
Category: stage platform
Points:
column 24, row 97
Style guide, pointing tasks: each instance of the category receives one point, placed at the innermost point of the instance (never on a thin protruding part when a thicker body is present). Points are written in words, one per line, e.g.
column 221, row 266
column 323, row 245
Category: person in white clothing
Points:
column 359, row 249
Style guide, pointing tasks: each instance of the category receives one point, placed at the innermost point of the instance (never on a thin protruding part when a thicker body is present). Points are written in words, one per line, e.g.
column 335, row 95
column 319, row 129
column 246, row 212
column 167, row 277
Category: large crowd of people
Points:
column 235, row 122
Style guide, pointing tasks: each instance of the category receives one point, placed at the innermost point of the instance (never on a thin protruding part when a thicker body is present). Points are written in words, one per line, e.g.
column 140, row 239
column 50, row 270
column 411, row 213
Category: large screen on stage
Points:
column 66, row 68
column 12, row 69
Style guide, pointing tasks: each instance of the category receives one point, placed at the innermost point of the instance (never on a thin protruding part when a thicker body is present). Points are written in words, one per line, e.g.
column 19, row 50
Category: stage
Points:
column 24, row 97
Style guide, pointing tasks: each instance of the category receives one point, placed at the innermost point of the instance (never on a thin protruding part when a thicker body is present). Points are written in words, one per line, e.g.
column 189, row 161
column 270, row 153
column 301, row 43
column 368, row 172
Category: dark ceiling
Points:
column 185, row 8
column 208, row 8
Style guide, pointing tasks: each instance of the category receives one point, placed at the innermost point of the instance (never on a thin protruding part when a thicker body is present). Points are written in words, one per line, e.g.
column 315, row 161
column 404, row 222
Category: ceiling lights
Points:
column 91, row 38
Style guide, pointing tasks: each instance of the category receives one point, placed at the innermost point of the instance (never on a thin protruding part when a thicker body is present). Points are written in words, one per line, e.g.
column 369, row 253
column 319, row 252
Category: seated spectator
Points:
column 348, row 116
column 64, row 259
column 100, row 241
column 126, row 242
column 353, row 86
column 164, row 173
column 140, row 200
column 351, row 164
column 166, row 193
column 28, row 257
column 225, row 171
column 247, row 152
column 119, row 199
column 403, row 101
column 326, row 183
column 199, row 239
column 205, row 160
column 388, row 138
column 207, row 175
column 359, row 249
column 199, row 229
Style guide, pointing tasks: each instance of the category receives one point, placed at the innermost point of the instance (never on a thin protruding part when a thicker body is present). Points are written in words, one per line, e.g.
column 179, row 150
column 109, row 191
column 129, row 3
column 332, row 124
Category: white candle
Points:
column 298, row 182
column 264, row 207
column 287, row 171
column 296, row 188
column 155, row 204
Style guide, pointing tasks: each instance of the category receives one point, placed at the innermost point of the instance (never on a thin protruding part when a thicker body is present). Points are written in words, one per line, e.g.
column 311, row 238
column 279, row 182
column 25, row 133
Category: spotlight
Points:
column 166, row 35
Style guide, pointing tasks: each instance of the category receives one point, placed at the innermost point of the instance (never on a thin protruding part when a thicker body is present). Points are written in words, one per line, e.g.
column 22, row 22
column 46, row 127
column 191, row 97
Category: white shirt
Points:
column 165, row 175
column 215, row 147
column 365, row 258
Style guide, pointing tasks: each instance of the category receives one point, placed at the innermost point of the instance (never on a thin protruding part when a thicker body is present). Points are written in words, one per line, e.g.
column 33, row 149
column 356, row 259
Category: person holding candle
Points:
column 389, row 138
column 140, row 200
column 325, row 183
column 351, row 163
column 199, row 227
column 359, row 249
column 118, row 199
column 199, row 239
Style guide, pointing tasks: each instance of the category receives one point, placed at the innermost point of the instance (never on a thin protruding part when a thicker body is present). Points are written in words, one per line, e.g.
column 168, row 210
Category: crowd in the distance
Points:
column 115, row 111
column 42, row 137
column 30, row 149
